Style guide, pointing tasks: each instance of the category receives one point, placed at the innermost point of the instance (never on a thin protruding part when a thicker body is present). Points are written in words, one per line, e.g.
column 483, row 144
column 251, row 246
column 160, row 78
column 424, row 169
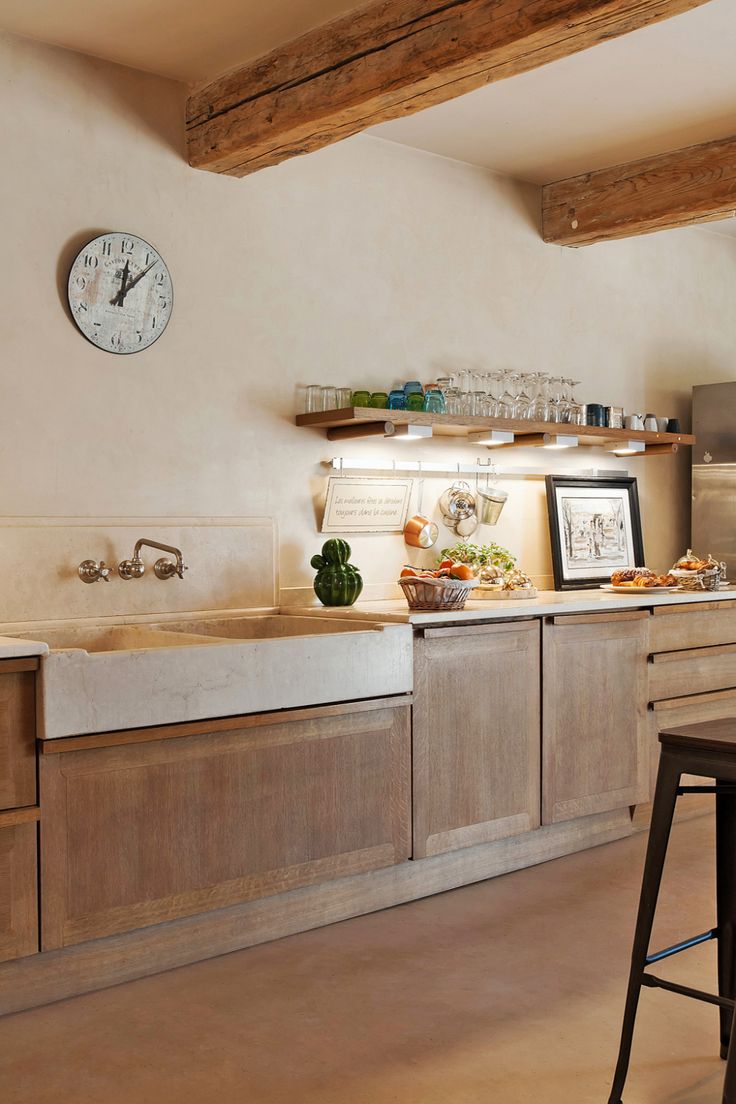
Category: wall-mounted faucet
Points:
column 134, row 568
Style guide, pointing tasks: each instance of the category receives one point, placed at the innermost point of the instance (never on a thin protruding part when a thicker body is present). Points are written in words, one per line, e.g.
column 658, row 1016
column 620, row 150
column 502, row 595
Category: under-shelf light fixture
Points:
column 493, row 438
column 407, row 432
column 625, row 448
column 558, row 441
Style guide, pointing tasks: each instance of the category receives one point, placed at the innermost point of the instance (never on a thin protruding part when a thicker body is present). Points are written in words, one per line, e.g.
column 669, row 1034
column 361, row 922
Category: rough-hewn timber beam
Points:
column 691, row 185
column 387, row 60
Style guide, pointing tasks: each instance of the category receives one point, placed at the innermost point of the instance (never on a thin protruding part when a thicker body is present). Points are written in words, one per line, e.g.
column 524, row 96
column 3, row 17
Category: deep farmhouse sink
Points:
column 103, row 678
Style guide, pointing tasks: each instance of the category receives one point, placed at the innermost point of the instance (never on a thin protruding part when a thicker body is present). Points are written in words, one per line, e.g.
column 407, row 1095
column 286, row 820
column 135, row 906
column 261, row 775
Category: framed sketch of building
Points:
column 595, row 529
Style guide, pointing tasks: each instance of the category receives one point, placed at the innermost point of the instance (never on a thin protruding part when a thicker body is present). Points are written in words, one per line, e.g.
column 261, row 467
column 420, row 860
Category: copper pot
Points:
column 420, row 532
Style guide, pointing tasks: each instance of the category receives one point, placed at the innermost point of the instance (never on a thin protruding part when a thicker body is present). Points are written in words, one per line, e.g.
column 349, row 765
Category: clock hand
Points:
column 120, row 297
column 140, row 276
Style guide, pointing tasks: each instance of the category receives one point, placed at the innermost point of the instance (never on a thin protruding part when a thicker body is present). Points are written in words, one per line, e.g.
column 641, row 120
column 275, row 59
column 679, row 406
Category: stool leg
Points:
column 665, row 797
column 726, row 906
column 729, row 1080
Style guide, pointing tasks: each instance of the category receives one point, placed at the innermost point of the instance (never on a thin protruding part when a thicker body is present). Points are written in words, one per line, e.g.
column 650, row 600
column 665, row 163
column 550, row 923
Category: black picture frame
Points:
column 563, row 528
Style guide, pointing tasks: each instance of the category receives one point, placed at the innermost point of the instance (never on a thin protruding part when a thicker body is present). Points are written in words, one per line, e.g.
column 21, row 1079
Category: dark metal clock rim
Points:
column 123, row 233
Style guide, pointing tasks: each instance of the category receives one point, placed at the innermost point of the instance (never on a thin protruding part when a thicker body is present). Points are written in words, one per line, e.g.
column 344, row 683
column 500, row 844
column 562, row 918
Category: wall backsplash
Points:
column 231, row 565
column 363, row 264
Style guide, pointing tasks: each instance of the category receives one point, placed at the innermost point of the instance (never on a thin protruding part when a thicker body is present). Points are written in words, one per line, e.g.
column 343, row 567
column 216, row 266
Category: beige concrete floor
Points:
column 506, row 992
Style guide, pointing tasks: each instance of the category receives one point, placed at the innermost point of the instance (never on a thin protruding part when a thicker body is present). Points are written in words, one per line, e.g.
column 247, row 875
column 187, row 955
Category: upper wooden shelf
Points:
column 366, row 421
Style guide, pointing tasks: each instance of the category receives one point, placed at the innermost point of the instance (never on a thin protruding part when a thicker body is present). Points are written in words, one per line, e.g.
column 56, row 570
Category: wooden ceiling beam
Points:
column 681, row 188
column 387, row 60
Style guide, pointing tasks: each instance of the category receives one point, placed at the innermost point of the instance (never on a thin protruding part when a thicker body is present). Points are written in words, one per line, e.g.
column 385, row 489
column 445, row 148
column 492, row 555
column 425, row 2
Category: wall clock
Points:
column 120, row 293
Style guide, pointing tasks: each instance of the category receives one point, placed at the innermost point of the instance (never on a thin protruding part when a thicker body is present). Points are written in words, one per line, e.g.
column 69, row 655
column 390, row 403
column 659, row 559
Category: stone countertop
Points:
column 546, row 603
column 21, row 649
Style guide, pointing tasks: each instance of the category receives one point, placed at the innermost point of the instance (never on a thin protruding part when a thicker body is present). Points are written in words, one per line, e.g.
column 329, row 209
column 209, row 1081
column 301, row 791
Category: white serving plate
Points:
column 637, row 589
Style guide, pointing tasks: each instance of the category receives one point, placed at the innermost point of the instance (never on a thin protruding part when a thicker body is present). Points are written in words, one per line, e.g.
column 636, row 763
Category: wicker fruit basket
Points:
column 436, row 594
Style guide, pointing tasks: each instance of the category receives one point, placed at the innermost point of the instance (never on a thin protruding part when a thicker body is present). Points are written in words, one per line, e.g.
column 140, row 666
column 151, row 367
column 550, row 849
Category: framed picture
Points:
column 595, row 528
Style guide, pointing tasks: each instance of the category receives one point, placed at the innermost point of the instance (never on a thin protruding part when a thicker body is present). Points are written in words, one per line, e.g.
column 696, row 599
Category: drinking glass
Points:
column 577, row 409
column 524, row 402
column 397, row 399
column 541, row 404
column 313, row 399
column 379, row 400
column 434, row 401
column 452, row 400
column 506, row 401
column 413, row 386
column 555, row 399
column 361, row 398
column 344, row 398
column 415, row 400
column 328, row 398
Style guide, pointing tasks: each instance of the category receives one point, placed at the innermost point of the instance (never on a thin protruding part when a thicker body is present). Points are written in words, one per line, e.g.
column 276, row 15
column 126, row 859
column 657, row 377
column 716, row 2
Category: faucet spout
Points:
column 163, row 568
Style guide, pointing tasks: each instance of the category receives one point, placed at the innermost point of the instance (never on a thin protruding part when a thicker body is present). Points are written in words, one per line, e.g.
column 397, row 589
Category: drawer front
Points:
column 701, row 625
column 697, row 671
column 17, row 737
column 18, row 893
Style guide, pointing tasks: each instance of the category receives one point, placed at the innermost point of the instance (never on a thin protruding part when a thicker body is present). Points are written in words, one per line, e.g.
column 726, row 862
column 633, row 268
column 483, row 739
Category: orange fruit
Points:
column 462, row 571
column 408, row 572
column 445, row 563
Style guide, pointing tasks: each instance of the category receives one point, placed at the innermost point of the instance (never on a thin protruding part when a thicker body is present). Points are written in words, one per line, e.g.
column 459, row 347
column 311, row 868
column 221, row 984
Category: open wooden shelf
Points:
column 365, row 421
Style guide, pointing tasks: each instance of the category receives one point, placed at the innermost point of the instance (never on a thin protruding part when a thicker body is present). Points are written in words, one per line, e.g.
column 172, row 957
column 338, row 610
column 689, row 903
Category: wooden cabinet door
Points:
column 18, row 889
column 215, row 813
column 476, row 735
column 595, row 753
column 17, row 732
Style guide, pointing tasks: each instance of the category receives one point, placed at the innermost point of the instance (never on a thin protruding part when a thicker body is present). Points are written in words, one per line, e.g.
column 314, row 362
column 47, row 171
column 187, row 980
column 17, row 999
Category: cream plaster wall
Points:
column 363, row 264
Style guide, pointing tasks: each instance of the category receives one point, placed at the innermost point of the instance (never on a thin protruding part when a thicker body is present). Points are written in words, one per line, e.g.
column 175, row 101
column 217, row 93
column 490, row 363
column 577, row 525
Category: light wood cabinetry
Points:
column 476, row 735
column 595, row 734
column 17, row 732
column 692, row 671
column 18, row 887
column 168, row 825
column 696, row 625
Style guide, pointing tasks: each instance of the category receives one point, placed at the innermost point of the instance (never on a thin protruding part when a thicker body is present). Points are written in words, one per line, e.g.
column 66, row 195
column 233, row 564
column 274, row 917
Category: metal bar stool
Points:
column 708, row 750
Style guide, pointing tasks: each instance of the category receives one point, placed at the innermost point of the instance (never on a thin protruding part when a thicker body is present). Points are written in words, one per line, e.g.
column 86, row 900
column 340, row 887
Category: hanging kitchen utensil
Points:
column 457, row 504
column 490, row 501
column 420, row 531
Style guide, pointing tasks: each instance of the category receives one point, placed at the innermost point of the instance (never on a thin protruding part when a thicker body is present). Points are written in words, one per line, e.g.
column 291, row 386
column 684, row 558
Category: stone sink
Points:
column 111, row 677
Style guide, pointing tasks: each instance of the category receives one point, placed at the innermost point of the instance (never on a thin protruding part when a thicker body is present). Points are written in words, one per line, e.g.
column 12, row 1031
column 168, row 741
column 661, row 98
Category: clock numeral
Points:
column 153, row 322
column 116, row 340
column 149, row 258
column 162, row 303
column 139, row 335
column 160, row 279
column 90, row 261
column 126, row 246
column 81, row 282
column 107, row 249
column 82, row 307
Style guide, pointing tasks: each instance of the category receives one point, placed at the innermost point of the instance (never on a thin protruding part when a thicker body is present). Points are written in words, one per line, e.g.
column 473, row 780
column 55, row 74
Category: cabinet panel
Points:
column 595, row 739
column 17, row 737
column 697, row 671
column 137, row 834
column 476, row 735
column 672, row 628
column 18, row 892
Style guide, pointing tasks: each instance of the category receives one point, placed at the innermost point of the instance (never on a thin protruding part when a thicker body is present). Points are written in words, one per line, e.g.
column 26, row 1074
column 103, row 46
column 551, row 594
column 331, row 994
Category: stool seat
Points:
column 718, row 736
column 707, row 749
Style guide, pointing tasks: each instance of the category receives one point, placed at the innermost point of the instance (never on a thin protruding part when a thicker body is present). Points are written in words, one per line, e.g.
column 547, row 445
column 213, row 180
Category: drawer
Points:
column 693, row 671
column 17, row 732
column 18, row 887
column 700, row 625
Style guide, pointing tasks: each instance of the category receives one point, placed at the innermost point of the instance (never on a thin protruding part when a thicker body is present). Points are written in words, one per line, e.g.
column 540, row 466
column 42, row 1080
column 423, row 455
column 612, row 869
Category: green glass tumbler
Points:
column 379, row 399
column 361, row 398
column 415, row 401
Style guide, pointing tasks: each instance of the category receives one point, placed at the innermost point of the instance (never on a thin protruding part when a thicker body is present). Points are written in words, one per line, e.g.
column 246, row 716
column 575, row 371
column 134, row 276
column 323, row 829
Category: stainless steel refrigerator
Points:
column 714, row 473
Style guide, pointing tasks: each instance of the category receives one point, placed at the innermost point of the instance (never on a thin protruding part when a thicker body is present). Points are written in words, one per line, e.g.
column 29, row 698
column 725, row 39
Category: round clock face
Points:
column 120, row 293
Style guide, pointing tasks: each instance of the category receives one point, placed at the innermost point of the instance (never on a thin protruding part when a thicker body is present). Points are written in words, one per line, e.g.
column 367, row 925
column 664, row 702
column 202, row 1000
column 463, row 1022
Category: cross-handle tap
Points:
column 90, row 571
column 134, row 568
